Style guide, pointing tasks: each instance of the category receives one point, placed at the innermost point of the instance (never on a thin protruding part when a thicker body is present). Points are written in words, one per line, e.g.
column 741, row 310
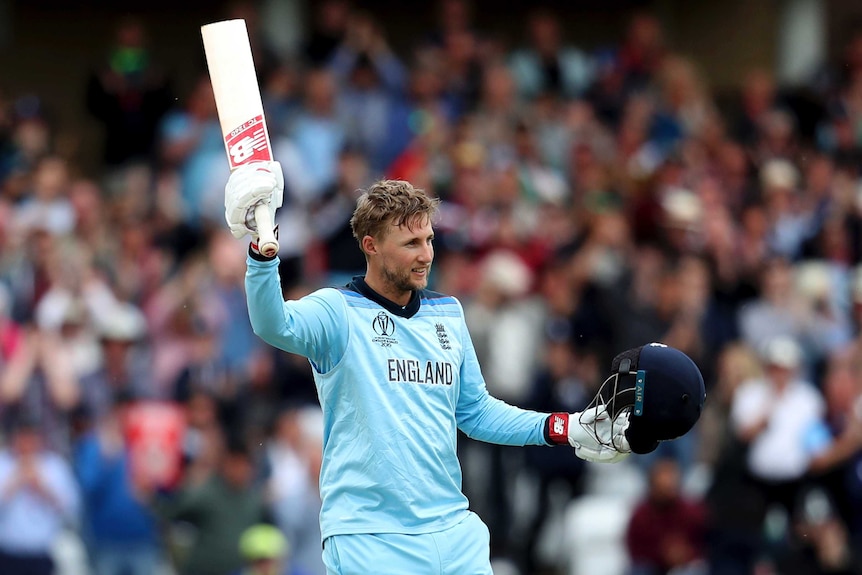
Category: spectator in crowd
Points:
column 778, row 309
column 224, row 284
column 856, row 310
column 294, row 459
column 251, row 406
column 757, row 98
column 420, row 118
column 128, row 94
column 836, row 445
column 772, row 416
column 331, row 220
column 318, row 132
column 642, row 50
column 121, row 531
column 546, row 64
column 124, row 366
column 371, row 79
column 11, row 332
column 93, row 227
column 27, row 136
column 734, row 505
column 203, row 437
column 789, row 225
column 496, row 116
column 666, row 531
column 219, row 509
column 451, row 16
column 191, row 144
column 328, row 27
column 824, row 545
column 47, row 203
column 264, row 551
column 459, row 47
column 39, row 498
column 182, row 316
column 39, row 378
column 685, row 106
column 823, row 292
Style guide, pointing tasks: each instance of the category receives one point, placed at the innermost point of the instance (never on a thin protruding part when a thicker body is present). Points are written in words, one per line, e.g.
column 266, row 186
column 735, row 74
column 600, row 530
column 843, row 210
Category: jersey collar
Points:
column 358, row 285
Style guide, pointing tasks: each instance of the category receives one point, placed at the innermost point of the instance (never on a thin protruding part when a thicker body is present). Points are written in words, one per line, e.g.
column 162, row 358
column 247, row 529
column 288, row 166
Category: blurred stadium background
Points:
column 613, row 173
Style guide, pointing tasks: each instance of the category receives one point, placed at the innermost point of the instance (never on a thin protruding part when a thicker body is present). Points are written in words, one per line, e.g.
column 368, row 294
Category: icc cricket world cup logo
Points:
column 384, row 327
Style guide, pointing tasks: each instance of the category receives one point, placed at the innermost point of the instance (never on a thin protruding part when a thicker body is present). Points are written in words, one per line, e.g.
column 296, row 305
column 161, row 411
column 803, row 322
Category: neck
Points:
column 405, row 309
column 388, row 291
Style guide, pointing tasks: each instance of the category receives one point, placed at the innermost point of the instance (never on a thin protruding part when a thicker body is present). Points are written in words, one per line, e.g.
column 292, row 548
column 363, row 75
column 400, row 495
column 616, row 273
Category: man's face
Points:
column 779, row 374
column 665, row 481
column 404, row 256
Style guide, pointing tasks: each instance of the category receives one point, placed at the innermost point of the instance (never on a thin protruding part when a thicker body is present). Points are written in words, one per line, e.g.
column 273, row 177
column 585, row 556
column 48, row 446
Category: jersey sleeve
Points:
column 487, row 418
column 311, row 326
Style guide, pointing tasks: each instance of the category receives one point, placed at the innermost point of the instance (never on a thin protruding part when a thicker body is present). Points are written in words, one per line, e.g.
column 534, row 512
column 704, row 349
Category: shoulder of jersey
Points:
column 436, row 298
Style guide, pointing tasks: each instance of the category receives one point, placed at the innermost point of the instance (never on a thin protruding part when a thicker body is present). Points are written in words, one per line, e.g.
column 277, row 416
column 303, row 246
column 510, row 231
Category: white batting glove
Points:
column 592, row 433
column 598, row 438
column 248, row 186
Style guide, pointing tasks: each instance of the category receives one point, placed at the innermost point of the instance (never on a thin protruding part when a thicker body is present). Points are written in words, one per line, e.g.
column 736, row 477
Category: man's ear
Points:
column 369, row 245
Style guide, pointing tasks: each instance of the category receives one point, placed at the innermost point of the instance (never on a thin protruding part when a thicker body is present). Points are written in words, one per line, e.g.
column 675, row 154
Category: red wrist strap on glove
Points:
column 557, row 429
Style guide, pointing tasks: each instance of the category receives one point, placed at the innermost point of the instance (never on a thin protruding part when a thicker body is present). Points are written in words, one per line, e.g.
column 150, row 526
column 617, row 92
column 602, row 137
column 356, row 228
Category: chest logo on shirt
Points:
column 384, row 327
column 442, row 336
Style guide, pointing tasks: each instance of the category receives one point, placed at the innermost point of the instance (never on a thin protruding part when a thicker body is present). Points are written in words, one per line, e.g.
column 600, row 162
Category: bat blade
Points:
column 240, row 108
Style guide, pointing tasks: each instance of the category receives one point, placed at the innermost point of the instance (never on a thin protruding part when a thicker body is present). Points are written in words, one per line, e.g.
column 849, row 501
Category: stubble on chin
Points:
column 402, row 282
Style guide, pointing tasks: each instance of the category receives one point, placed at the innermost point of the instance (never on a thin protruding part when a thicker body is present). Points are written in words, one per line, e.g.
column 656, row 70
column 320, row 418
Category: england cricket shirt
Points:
column 395, row 383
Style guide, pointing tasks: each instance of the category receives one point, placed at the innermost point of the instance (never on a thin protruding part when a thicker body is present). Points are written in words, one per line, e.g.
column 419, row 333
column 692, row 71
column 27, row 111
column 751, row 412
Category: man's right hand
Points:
column 248, row 186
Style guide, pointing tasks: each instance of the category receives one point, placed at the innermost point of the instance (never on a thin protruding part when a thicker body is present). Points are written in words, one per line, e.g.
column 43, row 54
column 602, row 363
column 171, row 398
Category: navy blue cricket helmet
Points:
column 663, row 389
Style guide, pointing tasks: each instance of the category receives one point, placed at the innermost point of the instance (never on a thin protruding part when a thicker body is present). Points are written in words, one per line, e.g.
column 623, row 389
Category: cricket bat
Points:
column 240, row 109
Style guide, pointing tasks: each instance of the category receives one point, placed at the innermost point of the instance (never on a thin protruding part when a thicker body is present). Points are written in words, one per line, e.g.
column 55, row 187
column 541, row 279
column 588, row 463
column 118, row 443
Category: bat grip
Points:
column 267, row 244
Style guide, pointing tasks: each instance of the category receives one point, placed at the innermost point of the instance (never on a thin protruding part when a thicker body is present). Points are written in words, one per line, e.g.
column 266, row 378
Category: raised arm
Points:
column 311, row 326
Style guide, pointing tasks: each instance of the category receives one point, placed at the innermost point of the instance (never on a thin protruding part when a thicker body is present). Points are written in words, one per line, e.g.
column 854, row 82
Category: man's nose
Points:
column 427, row 254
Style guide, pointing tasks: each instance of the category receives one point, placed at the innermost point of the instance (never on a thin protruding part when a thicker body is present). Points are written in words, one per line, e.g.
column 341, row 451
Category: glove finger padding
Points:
column 277, row 197
column 598, row 438
column 249, row 185
column 601, row 455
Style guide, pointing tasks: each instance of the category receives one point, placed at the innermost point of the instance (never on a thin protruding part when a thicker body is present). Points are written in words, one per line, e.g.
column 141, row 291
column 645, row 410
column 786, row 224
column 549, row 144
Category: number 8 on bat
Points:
column 240, row 109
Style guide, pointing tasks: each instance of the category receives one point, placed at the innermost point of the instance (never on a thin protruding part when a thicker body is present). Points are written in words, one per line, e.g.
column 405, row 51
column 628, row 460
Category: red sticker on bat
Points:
column 248, row 143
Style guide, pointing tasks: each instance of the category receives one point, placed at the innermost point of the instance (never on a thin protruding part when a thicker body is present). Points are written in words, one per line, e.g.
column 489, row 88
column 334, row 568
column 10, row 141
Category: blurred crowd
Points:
column 594, row 200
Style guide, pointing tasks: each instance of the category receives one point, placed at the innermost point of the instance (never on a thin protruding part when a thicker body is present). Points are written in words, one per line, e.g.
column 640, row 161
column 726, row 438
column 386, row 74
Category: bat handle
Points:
column 267, row 244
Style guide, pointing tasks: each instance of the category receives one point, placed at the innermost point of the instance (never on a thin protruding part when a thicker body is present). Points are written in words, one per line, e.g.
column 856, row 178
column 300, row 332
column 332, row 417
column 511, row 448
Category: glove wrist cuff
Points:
column 557, row 429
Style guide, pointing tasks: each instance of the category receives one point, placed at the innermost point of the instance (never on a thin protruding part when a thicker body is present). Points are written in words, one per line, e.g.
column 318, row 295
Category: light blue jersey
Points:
column 395, row 384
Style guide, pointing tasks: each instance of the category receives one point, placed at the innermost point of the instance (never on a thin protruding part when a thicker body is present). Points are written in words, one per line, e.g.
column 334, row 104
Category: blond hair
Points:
column 390, row 202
